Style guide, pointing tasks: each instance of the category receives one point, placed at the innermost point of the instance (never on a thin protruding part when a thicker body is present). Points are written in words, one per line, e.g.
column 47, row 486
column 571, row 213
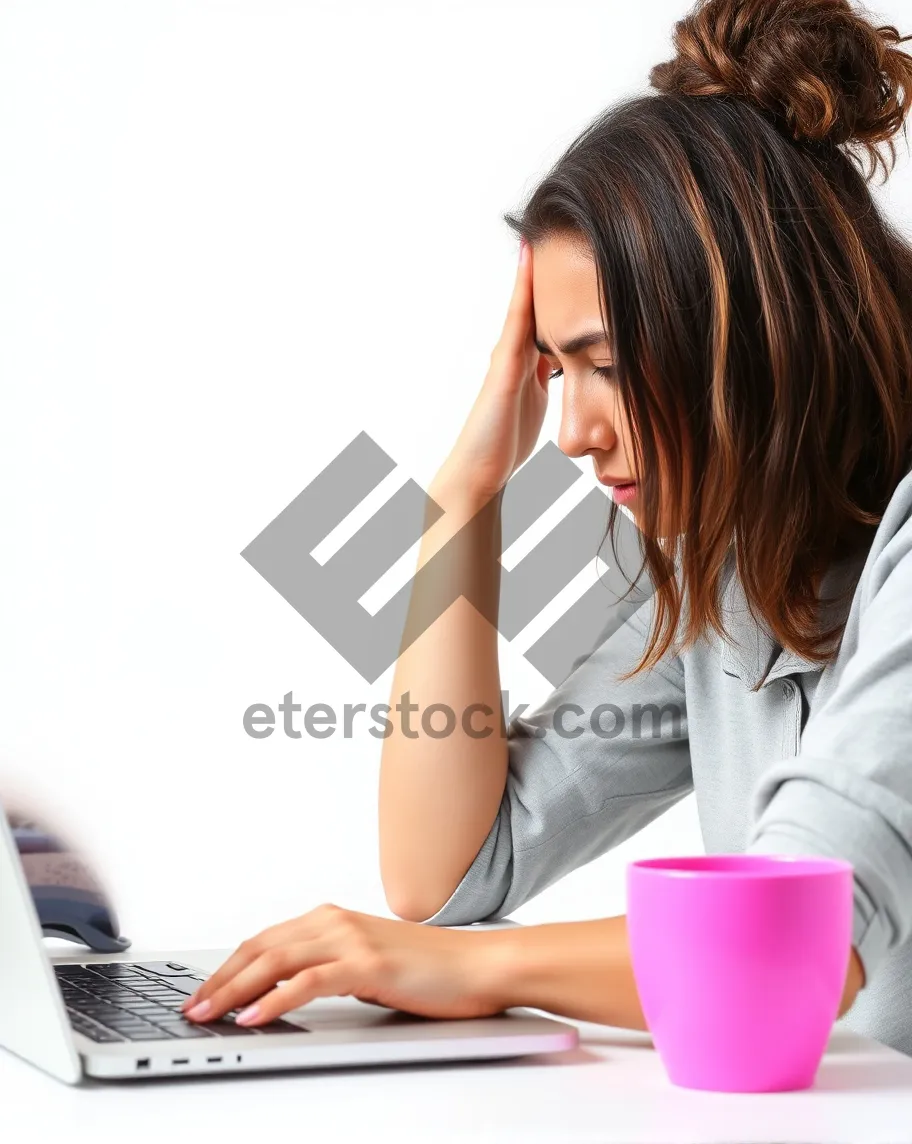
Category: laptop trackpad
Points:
column 327, row 1013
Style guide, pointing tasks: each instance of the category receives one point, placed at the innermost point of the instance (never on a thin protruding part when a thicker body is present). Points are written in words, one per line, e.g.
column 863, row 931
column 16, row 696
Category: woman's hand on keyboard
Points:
column 336, row 952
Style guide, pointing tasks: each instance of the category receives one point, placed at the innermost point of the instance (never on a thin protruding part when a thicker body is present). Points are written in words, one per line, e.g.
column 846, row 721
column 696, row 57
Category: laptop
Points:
column 112, row 1018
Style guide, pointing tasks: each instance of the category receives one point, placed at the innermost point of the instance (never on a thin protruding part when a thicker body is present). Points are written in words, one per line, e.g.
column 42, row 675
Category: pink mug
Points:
column 740, row 962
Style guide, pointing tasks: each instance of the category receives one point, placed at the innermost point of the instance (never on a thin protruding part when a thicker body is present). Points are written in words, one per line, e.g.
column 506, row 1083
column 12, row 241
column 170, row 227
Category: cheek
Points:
column 625, row 437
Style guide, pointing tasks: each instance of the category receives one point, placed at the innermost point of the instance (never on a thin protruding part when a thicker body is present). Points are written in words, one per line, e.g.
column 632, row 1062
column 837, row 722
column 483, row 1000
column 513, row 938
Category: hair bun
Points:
column 819, row 68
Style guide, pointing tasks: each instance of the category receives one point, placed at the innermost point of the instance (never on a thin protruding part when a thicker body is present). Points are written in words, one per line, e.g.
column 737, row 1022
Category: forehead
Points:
column 564, row 289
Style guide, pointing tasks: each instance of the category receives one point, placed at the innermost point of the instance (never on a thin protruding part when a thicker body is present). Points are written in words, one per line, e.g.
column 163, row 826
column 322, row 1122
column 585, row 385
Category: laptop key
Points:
column 114, row 992
column 115, row 969
column 185, row 985
column 101, row 1034
column 163, row 968
column 128, row 1025
column 95, row 1032
column 98, row 1013
column 103, row 1014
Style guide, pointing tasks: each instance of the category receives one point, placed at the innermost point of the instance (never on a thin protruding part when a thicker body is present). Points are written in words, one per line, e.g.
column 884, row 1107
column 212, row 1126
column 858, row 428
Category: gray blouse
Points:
column 814, row 762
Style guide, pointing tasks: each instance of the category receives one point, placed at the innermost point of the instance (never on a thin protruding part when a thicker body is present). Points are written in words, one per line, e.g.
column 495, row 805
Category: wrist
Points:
column 453, row 490
column 500, row 970
column 580, row 970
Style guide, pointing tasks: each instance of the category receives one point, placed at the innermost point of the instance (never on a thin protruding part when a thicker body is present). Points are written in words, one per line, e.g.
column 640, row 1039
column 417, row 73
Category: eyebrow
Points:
column 575, row 345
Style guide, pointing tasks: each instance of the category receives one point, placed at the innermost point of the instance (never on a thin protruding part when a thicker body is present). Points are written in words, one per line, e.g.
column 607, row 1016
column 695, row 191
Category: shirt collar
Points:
column 751, row 649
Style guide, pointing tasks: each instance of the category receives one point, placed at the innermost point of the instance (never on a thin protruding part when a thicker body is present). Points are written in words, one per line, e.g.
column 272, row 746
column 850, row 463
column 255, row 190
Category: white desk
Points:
column 613, row 1088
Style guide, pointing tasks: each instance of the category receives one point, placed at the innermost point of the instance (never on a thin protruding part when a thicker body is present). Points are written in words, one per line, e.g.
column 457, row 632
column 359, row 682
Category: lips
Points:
column 621, row 491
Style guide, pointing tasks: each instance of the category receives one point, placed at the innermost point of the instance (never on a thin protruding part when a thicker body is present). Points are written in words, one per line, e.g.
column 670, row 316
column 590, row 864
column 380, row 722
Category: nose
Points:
column 586, row 419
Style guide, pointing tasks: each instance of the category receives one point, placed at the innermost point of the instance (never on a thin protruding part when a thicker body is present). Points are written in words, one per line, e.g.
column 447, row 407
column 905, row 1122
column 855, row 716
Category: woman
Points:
column 733, row 321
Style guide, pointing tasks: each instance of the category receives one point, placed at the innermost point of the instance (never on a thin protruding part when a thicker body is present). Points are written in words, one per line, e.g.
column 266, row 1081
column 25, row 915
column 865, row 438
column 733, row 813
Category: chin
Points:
column 630, row 507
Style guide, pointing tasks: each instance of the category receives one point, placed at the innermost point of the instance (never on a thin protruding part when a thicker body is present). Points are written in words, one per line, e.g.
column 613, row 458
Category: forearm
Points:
column 581, row 970
column 439, row 795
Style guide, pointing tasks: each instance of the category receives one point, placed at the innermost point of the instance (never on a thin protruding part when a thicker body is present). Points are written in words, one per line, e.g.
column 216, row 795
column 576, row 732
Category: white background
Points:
column 232, row 235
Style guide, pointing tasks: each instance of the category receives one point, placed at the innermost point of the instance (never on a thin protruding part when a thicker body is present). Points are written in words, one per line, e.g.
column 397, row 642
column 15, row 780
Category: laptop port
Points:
column 213, row 1060
column 143, row 1063
column 180, row 1061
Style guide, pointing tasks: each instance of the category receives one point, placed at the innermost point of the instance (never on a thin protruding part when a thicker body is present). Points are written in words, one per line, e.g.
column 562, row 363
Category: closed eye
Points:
column 606, row 371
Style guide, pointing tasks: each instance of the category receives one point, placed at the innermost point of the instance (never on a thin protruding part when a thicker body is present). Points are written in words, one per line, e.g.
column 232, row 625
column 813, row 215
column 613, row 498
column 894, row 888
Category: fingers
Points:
column 247, row 952
column 331, row 979
column 286, row 934
column 279, row 963
column 334, row 952
column 517, row 327
column 241, row 958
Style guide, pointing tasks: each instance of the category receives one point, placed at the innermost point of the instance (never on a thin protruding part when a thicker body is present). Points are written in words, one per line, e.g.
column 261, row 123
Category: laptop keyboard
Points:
column 140, row 1001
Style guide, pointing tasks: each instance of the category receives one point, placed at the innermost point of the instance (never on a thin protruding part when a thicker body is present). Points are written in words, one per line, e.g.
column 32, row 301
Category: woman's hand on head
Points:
column 333, row 952
column 507, row 415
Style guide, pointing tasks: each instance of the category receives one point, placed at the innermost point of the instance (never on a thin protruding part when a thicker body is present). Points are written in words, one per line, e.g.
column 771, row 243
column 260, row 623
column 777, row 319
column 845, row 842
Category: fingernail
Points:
column 247, row 1015
column 188, row 1003
column 199, row 1011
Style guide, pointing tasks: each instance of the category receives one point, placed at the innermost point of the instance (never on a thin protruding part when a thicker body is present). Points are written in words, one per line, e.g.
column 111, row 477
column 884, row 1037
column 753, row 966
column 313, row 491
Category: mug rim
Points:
column 743, row 866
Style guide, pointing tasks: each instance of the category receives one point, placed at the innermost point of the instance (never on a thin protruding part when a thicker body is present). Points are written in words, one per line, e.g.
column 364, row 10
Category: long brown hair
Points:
column 758, row 305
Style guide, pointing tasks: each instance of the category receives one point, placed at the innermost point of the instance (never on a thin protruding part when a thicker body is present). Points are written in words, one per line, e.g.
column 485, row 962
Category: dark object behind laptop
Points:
column 69, row 900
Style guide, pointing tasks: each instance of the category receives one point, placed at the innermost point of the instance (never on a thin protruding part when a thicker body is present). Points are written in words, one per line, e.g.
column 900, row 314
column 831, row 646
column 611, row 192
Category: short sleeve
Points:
column 595, row 763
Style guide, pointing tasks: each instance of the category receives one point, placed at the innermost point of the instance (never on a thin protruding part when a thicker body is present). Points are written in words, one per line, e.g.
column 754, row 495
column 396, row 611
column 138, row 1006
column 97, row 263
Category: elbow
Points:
column 409, row 910
column 410, row 901
column 412, row 907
